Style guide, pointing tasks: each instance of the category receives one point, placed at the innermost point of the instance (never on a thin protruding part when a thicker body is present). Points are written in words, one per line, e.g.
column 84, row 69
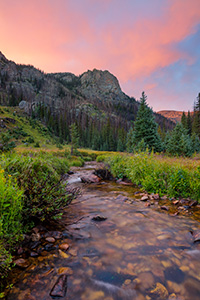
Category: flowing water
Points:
column 137, row 253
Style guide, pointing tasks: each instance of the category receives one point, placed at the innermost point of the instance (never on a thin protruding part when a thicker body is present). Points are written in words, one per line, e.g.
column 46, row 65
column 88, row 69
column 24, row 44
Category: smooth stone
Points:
column 144, row 198
column 60, row 287
column 175, row 202
column 22, row 263
column 50, row 239
column 90, row 179
column 64, row 246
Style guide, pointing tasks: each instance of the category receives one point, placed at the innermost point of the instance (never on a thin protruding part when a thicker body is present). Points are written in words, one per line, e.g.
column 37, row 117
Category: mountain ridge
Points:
column 92, row 99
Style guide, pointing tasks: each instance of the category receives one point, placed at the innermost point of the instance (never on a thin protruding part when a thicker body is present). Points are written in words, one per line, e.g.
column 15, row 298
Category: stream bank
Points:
column 111, row 245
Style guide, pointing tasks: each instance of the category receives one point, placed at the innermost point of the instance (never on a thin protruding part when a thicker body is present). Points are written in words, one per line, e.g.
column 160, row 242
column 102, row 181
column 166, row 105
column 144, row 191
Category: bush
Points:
column 44, row 193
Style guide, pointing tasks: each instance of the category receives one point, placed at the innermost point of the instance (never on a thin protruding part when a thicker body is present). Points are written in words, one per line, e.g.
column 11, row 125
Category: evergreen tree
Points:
column 74, row 138
column 179, row 142
column 189, row 123
column 146, row 127
column 195, row 143
column 130, row 140
column 196, row 118
column 184, row 121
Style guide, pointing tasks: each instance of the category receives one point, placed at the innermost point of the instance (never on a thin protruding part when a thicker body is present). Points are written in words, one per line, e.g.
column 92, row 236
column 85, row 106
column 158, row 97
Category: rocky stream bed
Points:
column 112, row 243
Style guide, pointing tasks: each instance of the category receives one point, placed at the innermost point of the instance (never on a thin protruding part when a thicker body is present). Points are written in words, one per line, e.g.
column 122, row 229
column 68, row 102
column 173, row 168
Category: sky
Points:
column 149, row 45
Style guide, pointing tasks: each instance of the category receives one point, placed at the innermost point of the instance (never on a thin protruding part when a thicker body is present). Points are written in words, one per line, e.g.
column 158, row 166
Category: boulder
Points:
column 91, row 178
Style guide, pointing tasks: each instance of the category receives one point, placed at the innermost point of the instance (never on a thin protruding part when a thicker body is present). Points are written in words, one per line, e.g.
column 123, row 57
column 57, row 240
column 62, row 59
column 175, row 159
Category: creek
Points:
column 119, row 248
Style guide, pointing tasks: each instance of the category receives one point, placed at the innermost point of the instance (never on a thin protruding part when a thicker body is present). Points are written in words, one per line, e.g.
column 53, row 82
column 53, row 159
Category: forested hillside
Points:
column 94, row 101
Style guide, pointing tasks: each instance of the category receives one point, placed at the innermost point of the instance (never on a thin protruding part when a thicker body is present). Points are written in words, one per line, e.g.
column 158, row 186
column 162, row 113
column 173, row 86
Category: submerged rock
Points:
column 99, row 218
column 22, row 263
column 64, row 246
column 196, row 235
column 60, row 287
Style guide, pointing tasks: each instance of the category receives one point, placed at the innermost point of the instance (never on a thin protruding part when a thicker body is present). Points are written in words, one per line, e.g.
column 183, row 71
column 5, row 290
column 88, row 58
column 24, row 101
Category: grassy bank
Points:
column 175, row 177
column 32, row 191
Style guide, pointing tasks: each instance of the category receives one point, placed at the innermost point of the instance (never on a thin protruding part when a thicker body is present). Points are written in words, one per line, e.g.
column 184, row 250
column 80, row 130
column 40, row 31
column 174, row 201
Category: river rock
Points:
column 91, row 178
column 50, row 239
column 60, row 287
column 35, row 237
column 164, row 208
column 22, row 263
column 144, row 198
column 196, row 236
column 64, row 246
column 176, row 202
column 50, row 247
column 34, row 254
column 99, row 218
column 156, row 196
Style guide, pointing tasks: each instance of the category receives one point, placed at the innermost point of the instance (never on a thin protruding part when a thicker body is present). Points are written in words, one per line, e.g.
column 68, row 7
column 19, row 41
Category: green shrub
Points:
column 37, row 145
column 44, row 193
column 76, row 161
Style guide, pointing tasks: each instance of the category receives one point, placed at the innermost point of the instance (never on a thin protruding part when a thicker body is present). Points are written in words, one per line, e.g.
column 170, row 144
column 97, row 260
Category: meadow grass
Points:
column 175, row 177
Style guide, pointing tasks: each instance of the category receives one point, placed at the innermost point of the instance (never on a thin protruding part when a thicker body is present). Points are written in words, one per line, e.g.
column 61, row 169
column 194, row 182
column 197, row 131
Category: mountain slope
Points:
column 92, row 99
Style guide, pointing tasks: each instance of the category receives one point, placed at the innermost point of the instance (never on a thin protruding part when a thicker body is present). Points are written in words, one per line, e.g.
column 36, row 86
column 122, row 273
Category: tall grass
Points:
column 175, row 177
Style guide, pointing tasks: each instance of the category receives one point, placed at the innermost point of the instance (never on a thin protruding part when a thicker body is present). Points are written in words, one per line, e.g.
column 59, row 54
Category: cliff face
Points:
column 101, row 85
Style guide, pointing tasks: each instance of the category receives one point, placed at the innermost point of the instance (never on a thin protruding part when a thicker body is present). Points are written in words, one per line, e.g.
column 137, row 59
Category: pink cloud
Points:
column 56, row 36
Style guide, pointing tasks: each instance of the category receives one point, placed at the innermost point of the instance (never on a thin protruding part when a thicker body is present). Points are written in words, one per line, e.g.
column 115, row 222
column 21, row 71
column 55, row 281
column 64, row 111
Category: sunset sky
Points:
column 150, row 45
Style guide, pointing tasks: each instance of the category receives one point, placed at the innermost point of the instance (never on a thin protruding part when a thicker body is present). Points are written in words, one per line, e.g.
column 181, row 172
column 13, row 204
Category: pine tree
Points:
column 74, row 138
column 179, row 142
column 195, row 143
column 184, row 120
column 146, row 127
column 189, row 123
column 196, row 118
column 130, row 140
